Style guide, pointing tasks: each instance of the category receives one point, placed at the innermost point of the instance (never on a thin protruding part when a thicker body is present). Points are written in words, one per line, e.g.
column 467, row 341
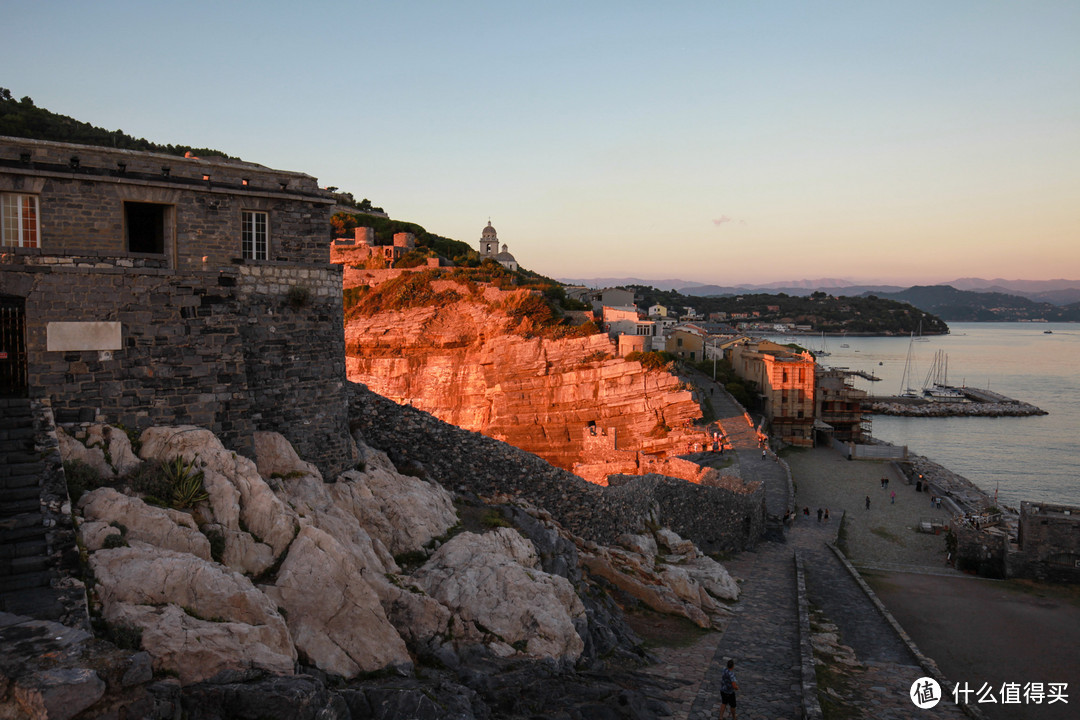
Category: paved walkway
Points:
column 763, row 635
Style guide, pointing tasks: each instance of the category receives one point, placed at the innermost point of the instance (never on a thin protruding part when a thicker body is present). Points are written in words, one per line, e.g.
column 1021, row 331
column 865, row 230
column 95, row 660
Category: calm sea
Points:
column 1026, row 458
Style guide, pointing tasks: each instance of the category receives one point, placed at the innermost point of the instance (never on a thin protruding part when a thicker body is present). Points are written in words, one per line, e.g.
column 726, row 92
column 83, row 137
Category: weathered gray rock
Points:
column 402, row 511
column 58, row 694
column 644, row 545
column 199, row 649
column 334, row 616
column 274, row 455
column 495, row 580
column 117, row 446
column 94, row 532
column 197, row 617
column 712, row 576
column 333, row 509
column 257, row 526
column 73, row 450
column 168, row 529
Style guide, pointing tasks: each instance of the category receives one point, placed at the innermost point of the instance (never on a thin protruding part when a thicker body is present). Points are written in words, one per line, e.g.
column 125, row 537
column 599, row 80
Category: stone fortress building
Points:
column 144, row 289
column 489, row 248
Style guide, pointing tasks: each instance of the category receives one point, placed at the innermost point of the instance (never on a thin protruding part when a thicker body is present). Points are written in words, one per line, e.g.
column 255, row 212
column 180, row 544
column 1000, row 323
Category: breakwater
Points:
column 919, row 408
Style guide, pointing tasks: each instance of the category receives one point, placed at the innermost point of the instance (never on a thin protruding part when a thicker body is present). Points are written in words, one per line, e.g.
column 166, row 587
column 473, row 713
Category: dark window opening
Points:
column 12, row 347
column 145, row 224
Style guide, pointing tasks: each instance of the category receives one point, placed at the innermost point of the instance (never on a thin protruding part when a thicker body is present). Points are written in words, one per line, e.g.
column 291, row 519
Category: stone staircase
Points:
column 24, row 552
column 38, row 556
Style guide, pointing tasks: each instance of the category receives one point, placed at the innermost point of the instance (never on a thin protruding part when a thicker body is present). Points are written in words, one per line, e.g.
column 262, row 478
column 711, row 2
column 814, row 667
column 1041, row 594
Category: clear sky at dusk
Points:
column 712, row 141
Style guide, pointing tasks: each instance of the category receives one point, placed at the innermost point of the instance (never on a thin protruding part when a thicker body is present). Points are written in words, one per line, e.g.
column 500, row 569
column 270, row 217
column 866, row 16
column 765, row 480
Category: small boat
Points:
column 1048, row 332
column 844, row 345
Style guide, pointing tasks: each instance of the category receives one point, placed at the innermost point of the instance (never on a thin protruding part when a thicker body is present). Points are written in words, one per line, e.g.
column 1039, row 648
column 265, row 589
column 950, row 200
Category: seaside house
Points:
column 786, row 383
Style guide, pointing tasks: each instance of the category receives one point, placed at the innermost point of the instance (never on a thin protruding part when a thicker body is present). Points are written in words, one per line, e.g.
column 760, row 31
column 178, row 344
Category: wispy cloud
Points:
column 726, row 219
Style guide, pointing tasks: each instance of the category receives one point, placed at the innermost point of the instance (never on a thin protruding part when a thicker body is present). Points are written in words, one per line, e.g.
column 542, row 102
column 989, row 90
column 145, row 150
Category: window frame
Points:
column 25, row 236
column 250, row 232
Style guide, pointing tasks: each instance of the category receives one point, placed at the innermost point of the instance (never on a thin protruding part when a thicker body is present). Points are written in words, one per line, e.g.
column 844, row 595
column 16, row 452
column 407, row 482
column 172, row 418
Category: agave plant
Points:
column 186, row 481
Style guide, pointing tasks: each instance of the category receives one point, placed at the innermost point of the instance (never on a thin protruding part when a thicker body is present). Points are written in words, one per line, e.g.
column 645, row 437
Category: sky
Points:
column 720, row 142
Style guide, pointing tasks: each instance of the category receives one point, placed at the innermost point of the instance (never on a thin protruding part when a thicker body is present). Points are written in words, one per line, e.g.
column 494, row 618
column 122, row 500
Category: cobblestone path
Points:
column 763, row 636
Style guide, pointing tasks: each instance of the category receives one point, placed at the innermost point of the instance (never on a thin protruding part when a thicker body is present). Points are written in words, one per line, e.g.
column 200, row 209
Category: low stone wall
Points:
column 715, row 518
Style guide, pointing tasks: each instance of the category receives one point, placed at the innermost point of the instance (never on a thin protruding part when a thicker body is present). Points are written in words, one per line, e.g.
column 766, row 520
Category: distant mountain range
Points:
column 1055, row 292
column 962, row 300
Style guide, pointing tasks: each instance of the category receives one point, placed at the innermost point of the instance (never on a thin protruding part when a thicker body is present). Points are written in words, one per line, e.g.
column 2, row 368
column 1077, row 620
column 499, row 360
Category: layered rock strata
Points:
column 472, row 363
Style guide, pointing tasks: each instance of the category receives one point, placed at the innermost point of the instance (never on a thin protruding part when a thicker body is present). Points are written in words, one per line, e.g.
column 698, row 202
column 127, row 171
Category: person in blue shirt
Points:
column 728, row 686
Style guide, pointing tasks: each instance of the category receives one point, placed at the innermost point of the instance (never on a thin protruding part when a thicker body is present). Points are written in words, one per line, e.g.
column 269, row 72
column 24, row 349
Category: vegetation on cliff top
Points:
column 21, row 118
column 539, row 313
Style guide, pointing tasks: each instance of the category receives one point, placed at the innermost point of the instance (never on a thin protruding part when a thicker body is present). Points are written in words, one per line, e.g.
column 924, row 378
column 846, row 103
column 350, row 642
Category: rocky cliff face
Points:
column 472, row 363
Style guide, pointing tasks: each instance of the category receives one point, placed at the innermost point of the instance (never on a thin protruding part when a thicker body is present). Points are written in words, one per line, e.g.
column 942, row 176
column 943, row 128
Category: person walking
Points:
column 728, row 687
column 892, row 497
column 819, row 513
column 826, row 514
column 867, row 502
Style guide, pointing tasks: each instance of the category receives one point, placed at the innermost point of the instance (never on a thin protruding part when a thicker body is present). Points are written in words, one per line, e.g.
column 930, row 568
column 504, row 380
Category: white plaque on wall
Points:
column 70, row 336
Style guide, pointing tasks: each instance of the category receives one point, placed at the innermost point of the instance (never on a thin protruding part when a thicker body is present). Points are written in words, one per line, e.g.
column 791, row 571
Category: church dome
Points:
column 489, row 231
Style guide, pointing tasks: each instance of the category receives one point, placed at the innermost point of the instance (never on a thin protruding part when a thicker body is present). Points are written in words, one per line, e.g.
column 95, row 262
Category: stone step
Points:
column 25, row 468
column 20, row 433
column 17, row 507
column 19, row 481
column 14, row 407
column 26, row 533
column 12, row 521
column 14, row 495
column 26, row 548
column 18, row 456
column 24, row 581
column 13, row 567
column 9, row 421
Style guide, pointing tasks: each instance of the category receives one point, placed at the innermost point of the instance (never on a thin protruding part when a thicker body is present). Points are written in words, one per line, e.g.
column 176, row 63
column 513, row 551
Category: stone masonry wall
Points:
column 223, row 350
column 81, row 209
column 716, row 518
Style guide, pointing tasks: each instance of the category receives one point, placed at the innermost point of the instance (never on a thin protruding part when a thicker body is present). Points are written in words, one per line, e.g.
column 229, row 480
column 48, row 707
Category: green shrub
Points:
column 150, row 479
column 114, row 541
column 186, row 481
column 126, row 637
column 81, row 478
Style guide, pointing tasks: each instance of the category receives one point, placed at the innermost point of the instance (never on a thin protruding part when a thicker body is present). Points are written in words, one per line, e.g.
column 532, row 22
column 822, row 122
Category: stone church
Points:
column 489, row 248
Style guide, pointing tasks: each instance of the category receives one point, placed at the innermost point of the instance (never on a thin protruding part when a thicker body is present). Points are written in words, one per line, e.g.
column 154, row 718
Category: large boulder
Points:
column 256, row 524
column 168, row 529
column 197, row 617
column 334, row 616
column 275, row 457
column 712, row 576
column 117, row 447
column 71, row 450
column 494, row 581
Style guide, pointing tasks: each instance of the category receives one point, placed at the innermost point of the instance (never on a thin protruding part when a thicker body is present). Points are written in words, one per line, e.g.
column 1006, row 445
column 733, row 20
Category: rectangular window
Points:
column 18, row 220
column 253, row 235
column 145, row 227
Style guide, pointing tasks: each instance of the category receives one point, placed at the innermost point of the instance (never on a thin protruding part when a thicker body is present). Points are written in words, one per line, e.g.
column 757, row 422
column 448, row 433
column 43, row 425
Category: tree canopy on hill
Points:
column 21, row 118
column 823, row 312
